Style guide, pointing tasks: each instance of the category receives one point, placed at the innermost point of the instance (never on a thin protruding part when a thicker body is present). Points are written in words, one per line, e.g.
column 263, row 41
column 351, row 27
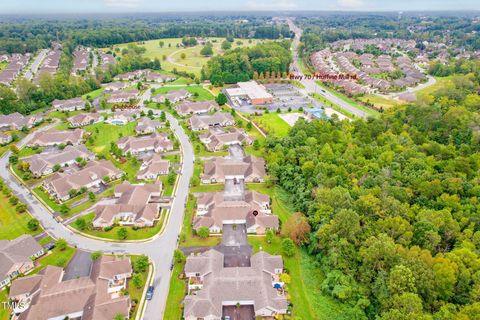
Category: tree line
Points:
column 393, row 205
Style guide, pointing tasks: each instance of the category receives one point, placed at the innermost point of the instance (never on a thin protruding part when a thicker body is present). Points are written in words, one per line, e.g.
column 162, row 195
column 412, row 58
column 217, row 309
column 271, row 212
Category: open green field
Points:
column 170, row 54
column 103, row 134
column 13, row 224
column 202, row 93
column 132, row 234
column 272, row 124
column 441, row 83
column 380, row 102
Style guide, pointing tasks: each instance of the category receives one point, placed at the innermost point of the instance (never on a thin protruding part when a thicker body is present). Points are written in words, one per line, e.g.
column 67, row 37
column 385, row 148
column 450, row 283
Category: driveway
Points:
column 242, row 313
column 234, row 235
column 236, row 151
column 79, row 266
column 234, row 189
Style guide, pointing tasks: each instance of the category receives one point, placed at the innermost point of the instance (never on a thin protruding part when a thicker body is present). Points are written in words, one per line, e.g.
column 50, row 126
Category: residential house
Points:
column 152, row 167
column 5, row 138
column 203, row 122
column 17, row 257
column 56, row 137
column 156, row 142
column 92, row 177
column 48, row 295
column 85, row 119
column 133, row 206
column 81, row 58
column 157, row 77
column 146, row 125
column 116, row 86
column 106, row 60
column 249, row 169
column 173, row 96
column 16, row 121
column 216, row 138
column 123, row 96
column 43, row 164
column 189, row 108
column 215, row 209
column 213, row 286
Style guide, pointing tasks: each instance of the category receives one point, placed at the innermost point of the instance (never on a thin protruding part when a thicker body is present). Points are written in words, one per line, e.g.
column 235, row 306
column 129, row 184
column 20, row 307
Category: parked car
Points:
column 150, row 293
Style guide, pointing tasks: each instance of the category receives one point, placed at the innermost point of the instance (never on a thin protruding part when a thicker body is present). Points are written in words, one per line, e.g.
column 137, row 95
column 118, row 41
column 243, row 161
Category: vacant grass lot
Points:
column 380, row 102
column 203, row 94
column 13, row 224
column 272, row 124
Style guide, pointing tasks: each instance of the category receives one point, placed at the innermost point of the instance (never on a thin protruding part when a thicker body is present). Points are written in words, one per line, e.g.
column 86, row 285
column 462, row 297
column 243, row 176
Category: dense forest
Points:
column 29, row 35
column 240, row 64
column 393, row 204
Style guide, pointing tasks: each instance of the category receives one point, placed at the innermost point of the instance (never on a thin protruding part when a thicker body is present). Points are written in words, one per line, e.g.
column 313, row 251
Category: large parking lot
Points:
column 285, row 96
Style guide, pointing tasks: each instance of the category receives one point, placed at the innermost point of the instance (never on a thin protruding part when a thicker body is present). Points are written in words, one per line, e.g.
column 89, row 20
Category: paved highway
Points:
column 310, row 85
column 159, row 249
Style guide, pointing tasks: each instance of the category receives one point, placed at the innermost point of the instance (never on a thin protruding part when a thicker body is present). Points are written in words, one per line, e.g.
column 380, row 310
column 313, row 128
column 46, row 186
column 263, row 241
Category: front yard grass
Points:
column 46, row 198
column 55, row 258
column 176, row 293
column 139, row 234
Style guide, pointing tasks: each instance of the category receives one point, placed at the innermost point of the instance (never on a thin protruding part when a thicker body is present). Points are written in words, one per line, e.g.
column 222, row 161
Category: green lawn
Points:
column 380, row 102
column 134, row 292
column 139, row 234
column 172, row 48
column 93, row 94
column 106, row 134
column 272, row 124
column 55, row 258
column 441, row 83
column 13, row 224
column 203, row 94
column 46, row 198
column 176, row 294
column 4, row 312
column 28, row 151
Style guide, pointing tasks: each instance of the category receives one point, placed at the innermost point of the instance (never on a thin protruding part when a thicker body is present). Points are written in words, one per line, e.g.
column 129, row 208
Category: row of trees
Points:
column 240, row 64
column 392, row 204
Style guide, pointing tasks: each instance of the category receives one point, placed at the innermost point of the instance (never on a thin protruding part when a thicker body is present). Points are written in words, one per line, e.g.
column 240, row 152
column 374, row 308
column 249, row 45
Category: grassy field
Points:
column 138, row 234
column 272, row 124
column 380, row 102
column 441, row 83
column 170, row 54
column 13, row 224
column 203, row 94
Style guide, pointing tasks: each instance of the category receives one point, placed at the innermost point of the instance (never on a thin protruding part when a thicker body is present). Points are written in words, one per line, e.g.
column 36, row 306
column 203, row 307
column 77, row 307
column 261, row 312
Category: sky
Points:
column 121, row 6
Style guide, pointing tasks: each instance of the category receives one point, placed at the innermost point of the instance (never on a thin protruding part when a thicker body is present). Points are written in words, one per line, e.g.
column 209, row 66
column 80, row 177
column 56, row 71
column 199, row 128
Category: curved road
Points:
column 160, row 249
column 310, row 85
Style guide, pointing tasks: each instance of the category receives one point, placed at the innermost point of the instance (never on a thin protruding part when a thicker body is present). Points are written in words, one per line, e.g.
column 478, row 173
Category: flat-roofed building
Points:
column 250, row 92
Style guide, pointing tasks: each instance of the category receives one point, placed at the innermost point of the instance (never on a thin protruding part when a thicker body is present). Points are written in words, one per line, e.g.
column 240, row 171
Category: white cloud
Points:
column 129, row 4
column 351, row 4
column 271, row 5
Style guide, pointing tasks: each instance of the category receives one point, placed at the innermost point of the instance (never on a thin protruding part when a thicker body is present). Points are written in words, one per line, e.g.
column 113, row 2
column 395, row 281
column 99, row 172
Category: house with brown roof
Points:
column 217, row 138
column 106, row 60
column 116, row 86
column 98, row 296
column 152, row 167
column 56, row 137
column 123, row 96
column 133, row 206
column 214, row 209
column 199, row 107
column 213, row 286
column 173, row 96
column 157, row 77
column 16, row 121
column 43, row 164
column 203, row 122
column 84, row 119
column 17, row 257
column 5, row 138
column 249, row 169
column 81, row 57
column 146, row 125
column 69, row 104
column 91, row 177
column 156, row 142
